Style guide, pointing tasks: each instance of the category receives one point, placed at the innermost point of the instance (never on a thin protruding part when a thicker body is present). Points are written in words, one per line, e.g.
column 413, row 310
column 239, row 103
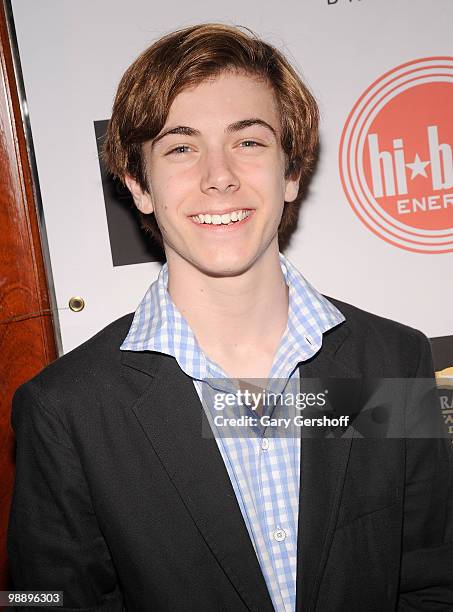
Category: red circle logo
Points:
column 396, row 160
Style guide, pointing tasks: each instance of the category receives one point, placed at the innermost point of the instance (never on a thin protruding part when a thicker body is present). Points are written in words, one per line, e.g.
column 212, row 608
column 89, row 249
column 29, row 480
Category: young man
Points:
column 120, row 501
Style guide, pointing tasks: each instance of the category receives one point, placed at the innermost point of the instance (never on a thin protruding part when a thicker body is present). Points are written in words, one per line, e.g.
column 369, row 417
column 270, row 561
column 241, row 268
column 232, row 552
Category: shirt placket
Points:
column 279, row 515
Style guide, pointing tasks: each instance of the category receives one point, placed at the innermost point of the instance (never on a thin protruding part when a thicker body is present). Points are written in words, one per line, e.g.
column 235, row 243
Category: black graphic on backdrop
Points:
column 442, row 348
column 129, row 244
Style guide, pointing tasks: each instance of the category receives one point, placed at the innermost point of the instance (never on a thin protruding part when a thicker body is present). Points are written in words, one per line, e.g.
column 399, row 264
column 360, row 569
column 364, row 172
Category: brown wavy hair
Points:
column 186, row 58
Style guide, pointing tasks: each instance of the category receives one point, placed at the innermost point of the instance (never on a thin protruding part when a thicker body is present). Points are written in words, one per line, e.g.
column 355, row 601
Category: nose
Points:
column 218, row 175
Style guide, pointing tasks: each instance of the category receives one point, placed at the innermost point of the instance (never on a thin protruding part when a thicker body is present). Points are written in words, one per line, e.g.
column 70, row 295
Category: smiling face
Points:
column 217, row 179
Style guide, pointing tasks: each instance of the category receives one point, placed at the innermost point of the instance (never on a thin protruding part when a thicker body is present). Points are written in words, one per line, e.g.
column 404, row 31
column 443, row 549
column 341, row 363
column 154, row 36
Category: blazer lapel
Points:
column 170, row 413
column 323, row 468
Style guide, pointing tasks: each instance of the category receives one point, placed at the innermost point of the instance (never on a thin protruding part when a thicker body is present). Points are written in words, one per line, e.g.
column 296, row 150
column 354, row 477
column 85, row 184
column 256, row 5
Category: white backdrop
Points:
column 73, row 54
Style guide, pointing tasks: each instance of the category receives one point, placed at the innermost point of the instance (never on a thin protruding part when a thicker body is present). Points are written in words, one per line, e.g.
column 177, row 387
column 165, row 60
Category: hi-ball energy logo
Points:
column 396, row 156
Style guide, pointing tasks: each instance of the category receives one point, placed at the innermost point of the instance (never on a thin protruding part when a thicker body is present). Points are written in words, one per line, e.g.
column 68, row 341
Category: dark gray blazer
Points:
column 122, row 504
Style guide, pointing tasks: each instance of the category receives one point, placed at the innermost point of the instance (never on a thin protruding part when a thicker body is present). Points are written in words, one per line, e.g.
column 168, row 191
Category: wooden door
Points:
column 27, row 340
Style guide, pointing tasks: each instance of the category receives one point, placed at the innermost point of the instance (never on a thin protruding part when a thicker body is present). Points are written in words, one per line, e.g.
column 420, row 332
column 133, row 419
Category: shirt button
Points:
column 279, row 535
column 265, row 443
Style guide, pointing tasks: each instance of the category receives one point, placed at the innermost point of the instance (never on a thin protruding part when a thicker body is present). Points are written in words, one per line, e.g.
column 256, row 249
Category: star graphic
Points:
column 418, row 167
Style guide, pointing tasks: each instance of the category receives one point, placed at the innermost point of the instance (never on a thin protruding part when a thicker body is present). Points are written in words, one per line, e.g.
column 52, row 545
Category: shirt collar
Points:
column 159, row 326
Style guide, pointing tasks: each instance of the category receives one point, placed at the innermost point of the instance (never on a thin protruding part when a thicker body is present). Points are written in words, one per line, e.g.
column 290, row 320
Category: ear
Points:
column 142, row 199
column 291, row 189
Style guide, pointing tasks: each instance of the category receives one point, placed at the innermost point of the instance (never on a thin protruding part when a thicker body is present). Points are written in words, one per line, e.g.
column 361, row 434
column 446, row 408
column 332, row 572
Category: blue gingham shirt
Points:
column 264, row 468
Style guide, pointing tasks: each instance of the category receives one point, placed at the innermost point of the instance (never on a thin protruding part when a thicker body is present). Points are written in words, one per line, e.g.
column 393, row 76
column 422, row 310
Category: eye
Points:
column 179, row 150
column 249, row 144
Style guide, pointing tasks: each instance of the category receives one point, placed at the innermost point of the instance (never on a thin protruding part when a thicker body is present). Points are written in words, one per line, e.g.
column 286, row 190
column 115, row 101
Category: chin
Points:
column 221, row 267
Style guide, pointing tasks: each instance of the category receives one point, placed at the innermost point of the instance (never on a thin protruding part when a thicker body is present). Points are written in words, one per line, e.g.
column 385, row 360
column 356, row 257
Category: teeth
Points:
column 225, row 219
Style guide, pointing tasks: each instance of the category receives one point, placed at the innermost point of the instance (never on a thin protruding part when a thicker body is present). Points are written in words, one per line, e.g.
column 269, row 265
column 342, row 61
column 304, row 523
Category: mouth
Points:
column 229, row 218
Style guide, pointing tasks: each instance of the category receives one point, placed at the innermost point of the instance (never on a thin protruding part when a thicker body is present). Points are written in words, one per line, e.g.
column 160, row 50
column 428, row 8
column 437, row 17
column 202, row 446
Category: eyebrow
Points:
column 245, row 123
column 237, row 126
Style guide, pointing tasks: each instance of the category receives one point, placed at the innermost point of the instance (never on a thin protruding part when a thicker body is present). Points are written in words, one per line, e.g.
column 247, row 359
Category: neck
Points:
column 234, row 317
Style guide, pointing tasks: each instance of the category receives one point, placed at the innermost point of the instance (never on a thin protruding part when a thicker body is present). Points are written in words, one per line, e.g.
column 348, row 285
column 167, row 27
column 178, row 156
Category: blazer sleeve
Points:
column 427, row 563
column 54, row 541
